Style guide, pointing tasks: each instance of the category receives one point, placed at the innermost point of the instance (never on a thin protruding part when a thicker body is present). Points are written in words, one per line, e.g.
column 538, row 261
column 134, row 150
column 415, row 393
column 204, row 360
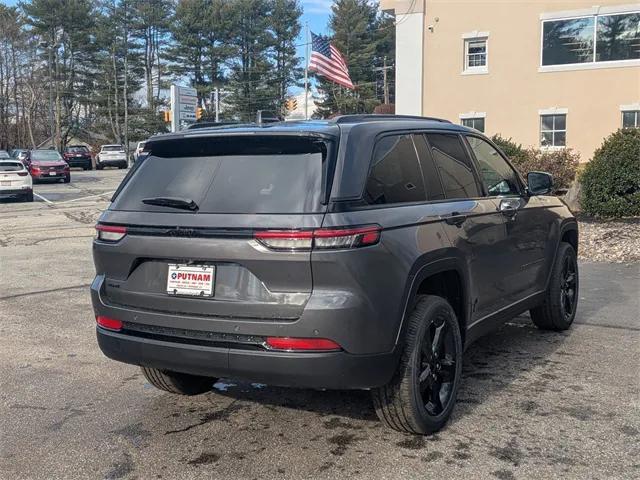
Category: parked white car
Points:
column 111, row 156
column 138, row 151
column 15, row 180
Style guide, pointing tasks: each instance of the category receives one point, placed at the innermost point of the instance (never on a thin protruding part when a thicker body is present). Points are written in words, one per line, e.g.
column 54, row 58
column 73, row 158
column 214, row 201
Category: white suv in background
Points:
column 15, row 180
column 111, row 156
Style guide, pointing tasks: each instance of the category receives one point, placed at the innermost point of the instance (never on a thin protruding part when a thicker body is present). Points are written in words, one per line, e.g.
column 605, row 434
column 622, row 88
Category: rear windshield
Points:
column 112, row 148
column 45, row 155
column 10, row 166
column 77, row 149
column 231, row 175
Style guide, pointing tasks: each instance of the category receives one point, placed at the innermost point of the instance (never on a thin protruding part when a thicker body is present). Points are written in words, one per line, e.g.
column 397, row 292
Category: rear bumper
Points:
column 79, row 162
column 21, row 190
column 332, row 370
column 189, row 348
column 112, row 162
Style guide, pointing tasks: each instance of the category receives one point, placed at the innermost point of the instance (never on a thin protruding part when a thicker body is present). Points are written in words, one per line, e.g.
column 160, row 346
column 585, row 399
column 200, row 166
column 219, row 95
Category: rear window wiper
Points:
column 173, row 202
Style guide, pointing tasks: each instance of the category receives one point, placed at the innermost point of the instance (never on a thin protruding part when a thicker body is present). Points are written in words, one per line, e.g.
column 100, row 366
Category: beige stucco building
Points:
column 546, row 73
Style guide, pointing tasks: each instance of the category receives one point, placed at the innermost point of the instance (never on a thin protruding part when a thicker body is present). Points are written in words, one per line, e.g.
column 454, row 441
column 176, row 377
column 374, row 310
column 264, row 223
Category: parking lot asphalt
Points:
column 532, row 404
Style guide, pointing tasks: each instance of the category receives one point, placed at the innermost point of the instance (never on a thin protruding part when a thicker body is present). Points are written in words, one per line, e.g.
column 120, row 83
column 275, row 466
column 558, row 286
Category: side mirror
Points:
column 540, row 183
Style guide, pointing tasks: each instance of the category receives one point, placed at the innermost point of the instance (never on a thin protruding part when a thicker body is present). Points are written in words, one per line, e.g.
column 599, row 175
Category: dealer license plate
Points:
column 193, row 280
column 53, row 174
column 5, row 184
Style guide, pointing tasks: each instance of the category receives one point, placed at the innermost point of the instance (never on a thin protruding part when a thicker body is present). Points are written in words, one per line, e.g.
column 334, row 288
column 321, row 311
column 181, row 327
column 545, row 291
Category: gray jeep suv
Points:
column 363, row 252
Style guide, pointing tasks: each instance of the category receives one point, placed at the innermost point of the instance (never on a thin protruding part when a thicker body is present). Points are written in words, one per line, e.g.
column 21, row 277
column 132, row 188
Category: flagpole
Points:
column 306, row 73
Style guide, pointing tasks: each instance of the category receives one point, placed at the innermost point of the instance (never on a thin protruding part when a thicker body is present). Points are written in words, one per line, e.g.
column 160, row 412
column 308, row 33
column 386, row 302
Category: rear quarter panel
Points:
column 377, row 279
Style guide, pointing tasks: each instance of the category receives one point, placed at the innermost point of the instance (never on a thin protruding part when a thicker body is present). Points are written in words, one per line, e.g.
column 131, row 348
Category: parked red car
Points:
column 48, row 164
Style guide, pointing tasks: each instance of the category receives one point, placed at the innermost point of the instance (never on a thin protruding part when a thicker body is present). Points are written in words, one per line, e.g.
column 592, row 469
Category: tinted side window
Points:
column 429, row 170
column 497, row 176
column 454, row 167
column 394, row 176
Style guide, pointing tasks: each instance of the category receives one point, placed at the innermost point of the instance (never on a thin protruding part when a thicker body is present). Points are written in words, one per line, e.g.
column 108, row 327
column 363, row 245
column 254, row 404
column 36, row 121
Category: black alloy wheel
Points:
column 437, row 367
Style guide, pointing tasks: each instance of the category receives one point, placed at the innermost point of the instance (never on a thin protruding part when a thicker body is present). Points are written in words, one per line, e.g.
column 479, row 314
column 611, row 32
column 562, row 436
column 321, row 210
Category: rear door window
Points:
column 237, row 176
column 395, row 175
column 454, row 166
column 429, row 169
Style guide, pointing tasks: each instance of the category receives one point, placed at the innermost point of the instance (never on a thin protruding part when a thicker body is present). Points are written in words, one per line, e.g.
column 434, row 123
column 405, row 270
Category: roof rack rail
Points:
column 373, row 117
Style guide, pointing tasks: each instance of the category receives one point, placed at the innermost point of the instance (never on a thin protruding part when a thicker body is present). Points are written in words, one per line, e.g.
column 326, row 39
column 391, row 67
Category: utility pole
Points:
column 306, row 73
column 385, row 82
column 216, row 103
column 58, row 106
column 50, row 90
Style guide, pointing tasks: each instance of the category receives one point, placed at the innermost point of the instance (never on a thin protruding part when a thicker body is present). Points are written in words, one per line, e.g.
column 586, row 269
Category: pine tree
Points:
column 354, row 27
column 66, row 28
column 119, row 70
column 285, row 25
column 187, row 54
column 151, row 29
column 249, row 89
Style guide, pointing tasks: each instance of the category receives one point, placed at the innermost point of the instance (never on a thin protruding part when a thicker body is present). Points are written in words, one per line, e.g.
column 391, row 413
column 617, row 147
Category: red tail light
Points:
column 110, row 233
column 286, row 239
column 109, row 323
column 35, row 170
column 23, row 174
column 302, row 344
column 320, row 239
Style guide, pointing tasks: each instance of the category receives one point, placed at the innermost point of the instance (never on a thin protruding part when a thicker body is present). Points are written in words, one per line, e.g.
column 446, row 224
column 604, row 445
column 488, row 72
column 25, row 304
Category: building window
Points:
column 553, row 130
column 631, row 119
column 476, row 123
column 591, row 39
column 475, row 55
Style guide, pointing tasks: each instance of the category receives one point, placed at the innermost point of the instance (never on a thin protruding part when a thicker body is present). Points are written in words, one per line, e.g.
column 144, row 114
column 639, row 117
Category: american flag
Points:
column 327, row 61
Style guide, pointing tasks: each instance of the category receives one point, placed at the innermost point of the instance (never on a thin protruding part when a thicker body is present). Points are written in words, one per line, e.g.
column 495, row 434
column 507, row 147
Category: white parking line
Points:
column 84, row 198
column 43, row 199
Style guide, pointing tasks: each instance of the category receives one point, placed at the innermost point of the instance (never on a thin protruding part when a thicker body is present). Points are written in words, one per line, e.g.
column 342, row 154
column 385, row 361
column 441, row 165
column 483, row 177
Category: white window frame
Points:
column 467, row 39
column 634, row 107
column 593, row 12
column 553, row 111
column 473, row 116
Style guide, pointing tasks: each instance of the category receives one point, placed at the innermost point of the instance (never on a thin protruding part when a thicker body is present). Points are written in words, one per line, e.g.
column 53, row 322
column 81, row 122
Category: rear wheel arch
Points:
column 446, row 277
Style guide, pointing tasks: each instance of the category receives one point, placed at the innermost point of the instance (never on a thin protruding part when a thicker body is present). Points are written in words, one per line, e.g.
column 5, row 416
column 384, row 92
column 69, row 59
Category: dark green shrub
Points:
column 611, row 181
column 509, row 147
column 562, row 164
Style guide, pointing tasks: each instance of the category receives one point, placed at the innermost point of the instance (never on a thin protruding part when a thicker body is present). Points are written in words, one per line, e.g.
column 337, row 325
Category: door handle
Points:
column 455, row 219
column 509, row 207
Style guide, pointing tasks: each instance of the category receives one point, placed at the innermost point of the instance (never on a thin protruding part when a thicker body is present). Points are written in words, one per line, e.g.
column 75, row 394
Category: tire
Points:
column 29, row 197
column 558, row 308
column 400, row 404
column 67, row 179
column 99, row 167
column 178, row 383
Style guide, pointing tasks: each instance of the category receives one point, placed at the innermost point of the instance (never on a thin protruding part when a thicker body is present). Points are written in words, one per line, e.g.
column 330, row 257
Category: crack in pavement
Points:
column 51, row 290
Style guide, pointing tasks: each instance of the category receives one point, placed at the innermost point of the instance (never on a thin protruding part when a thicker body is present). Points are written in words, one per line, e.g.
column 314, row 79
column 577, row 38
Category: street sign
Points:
column 184, row 104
